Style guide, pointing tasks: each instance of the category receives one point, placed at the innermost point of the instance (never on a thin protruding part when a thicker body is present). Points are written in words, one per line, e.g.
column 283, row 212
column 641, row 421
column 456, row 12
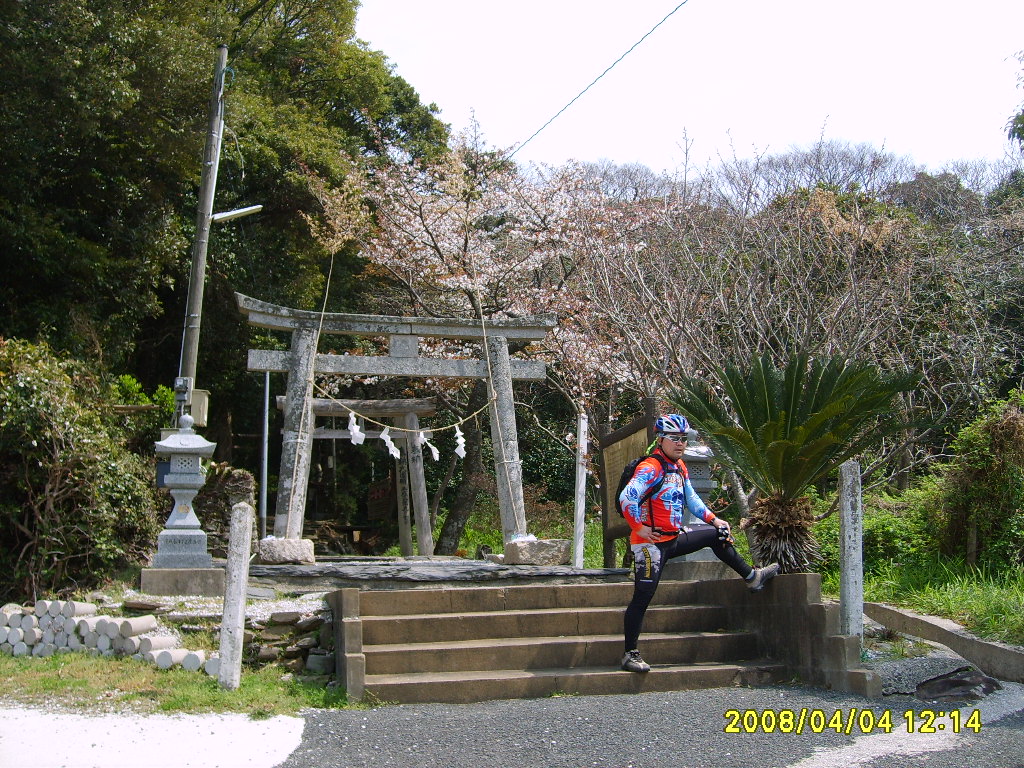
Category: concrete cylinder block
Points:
column 157, row 643
column 170, row 657
column 42, row 607
column 212, row 666
column 88, row 624
column 137, row 626
column 32, row 635
column 194, row 660
column 74, row 609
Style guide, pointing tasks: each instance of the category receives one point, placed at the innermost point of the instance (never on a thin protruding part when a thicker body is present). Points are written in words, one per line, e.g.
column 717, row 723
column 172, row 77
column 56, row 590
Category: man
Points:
column 654, row 503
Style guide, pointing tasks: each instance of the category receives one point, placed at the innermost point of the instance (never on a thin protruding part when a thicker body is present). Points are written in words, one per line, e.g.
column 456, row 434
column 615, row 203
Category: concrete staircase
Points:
column 476, row 643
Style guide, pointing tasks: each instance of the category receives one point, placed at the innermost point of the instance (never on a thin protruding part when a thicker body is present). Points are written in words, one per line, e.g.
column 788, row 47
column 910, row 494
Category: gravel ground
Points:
column 259, row 610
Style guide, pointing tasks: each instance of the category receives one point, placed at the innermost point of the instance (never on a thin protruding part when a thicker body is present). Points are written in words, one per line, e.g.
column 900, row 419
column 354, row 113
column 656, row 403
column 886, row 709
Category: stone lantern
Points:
column 698, row 464
column 182, row 543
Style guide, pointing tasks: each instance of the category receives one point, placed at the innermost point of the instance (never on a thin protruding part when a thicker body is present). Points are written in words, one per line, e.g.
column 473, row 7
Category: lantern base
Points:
column 178, row 548
column 206, row 582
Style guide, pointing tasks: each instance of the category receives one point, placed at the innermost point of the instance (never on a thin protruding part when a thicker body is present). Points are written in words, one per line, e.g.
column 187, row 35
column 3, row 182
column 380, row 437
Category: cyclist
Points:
column 658, row 533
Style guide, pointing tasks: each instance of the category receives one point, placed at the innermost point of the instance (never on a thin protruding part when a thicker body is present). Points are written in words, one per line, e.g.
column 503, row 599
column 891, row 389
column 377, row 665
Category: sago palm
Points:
column 783, row 430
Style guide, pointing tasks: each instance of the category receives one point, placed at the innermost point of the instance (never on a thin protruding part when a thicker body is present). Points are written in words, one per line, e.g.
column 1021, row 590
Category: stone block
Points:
column 268, row 653
column 864, row 682
column 276, row 632
column 285, row 551
column 309, row 623
column 285, row 617
column 537, row 552
column 320, row 663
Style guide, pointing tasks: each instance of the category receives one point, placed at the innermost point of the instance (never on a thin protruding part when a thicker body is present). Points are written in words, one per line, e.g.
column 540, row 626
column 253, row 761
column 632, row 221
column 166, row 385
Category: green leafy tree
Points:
column 104, row 119
column 75, row 504
column 782, row 430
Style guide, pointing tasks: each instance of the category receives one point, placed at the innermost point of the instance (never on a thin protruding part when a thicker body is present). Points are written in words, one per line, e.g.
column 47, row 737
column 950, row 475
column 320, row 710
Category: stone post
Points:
column 505, row 439
column 182, row 543
column 232, row 628
column 851, row 531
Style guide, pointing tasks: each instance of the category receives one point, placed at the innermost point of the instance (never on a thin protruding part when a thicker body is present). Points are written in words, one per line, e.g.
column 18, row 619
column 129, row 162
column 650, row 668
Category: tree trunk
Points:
column 473, row 478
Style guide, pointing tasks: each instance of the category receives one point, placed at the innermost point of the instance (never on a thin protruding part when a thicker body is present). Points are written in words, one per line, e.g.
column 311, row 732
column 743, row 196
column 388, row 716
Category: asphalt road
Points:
column 672, row 730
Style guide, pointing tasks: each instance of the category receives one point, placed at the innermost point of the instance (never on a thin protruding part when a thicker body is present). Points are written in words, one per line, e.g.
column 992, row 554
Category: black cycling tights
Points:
column 649, row 559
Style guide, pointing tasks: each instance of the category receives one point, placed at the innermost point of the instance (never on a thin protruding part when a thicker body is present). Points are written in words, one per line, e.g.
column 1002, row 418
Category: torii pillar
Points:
column 508, row 467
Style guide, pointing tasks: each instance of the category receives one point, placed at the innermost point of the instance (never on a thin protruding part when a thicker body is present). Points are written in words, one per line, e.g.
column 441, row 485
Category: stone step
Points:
column 543, row 622
column 555, row 652
column 516, row 598
column 469, row 686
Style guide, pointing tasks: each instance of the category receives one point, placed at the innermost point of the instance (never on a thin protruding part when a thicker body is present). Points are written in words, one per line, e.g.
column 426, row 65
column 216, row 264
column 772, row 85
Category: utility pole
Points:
column 185, row 382
column 197, row 281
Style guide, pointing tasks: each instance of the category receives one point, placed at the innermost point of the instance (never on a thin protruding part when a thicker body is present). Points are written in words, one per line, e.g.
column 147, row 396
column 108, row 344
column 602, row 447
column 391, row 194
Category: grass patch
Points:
column 90, row 683
column 989, row 604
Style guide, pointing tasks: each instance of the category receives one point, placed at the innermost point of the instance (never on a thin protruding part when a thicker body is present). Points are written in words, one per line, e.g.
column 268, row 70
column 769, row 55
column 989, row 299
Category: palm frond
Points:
column 783, row 430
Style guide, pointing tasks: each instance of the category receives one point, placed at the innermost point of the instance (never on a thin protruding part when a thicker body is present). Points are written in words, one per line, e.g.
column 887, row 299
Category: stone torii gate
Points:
column 409, row 477
column 302, row 361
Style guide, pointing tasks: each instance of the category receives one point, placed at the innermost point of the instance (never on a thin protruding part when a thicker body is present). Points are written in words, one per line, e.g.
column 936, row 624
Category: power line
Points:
column 609, row 69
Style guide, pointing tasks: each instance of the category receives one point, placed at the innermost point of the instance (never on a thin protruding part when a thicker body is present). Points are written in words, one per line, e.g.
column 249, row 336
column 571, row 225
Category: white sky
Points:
column 931, row 79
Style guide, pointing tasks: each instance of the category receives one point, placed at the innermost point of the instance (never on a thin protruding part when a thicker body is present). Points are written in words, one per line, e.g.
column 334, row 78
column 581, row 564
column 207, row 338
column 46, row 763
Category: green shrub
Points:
column 75, row 504
column 984, row 487
column 898, row 528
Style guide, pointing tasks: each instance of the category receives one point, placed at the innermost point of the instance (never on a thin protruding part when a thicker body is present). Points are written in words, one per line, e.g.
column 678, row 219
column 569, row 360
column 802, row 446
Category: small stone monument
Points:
column 182, row 564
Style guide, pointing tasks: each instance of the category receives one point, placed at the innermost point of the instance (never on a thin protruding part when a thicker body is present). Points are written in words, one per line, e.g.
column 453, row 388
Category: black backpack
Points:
column 630, row 469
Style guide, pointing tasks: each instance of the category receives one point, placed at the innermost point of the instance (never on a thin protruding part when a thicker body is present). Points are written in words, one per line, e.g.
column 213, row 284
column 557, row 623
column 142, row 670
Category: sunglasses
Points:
column 676, row 438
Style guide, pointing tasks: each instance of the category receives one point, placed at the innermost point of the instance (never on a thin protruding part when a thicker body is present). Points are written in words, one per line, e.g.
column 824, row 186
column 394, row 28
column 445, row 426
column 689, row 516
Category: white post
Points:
column 851, row 530
column 581, row 489
column 264, row 470
column 236, row 578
